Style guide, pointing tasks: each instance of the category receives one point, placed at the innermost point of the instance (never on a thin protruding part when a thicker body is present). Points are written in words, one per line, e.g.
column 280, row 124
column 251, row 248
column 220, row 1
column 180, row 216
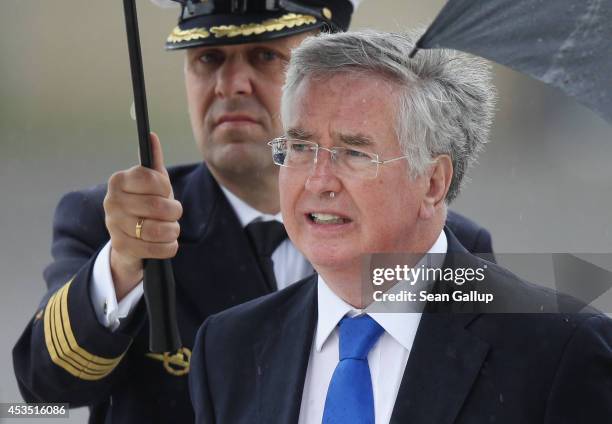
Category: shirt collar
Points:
column 441, row 244
column 401, row 326
column 331, row 310
column 245, row 212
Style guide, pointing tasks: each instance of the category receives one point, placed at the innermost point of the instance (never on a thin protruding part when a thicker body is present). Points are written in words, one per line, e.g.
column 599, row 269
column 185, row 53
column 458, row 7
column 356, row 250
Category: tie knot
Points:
column 266, row 236
column 357, row 336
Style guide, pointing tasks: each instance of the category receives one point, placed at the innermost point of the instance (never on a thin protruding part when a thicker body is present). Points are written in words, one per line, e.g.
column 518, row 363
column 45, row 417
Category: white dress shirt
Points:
column 289, row 266
column 387, row 358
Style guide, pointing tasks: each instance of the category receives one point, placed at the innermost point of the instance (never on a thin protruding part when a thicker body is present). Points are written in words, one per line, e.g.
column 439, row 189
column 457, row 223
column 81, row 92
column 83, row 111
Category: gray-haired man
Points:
column 375, row 146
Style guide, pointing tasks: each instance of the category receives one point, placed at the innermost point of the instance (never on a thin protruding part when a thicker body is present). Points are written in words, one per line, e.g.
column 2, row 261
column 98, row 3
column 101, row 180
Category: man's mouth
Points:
column 235, row 119
column 327, row 218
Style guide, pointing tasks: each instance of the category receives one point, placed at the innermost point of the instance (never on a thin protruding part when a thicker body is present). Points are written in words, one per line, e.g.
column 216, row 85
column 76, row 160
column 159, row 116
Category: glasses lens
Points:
column 356, row 163
column 293, row 153
column 279, row 151
column 300, row 153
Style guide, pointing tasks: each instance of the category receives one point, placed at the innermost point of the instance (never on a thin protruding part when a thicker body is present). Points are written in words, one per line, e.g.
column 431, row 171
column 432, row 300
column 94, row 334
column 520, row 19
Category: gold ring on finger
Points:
column 139, row 223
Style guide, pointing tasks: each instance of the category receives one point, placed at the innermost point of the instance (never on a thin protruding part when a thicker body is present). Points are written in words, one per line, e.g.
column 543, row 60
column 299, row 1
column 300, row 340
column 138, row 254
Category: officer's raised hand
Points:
column 142, row 219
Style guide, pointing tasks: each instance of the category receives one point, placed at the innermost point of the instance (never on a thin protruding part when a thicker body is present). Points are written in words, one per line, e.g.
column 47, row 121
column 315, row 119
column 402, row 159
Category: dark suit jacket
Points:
column 214, row 270
column 249, row 363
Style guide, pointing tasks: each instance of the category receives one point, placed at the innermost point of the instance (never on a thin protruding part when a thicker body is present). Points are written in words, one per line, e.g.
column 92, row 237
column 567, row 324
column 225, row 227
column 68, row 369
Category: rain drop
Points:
column 133, row 112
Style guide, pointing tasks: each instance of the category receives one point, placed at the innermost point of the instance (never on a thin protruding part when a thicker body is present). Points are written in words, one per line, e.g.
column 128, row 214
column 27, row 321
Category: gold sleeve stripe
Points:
column 58, row 355
column 65, row 358
column 63, row 347
column 49, row 340
column 72, row 340
column 69, row 353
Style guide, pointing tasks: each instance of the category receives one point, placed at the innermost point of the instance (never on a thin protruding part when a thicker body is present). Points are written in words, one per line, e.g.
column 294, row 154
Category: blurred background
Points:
column 544, row 183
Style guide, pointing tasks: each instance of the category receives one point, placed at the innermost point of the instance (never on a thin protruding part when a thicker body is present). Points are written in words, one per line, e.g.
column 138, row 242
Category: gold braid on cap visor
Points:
column 290, row 20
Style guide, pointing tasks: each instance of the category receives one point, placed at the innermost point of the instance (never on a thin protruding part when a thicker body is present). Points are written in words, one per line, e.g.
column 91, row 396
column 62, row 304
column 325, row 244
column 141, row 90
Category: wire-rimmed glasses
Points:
column 301, row 154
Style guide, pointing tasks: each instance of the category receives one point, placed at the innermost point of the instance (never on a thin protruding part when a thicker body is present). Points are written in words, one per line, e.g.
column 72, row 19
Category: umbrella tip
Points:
column 413, row 52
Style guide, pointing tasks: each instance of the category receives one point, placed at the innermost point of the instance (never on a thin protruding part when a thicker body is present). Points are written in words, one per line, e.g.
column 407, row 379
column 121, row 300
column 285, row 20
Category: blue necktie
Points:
column 349, row 397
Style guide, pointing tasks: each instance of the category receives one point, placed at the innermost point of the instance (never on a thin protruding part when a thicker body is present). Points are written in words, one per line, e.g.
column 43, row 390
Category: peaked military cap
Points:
column 215, row 22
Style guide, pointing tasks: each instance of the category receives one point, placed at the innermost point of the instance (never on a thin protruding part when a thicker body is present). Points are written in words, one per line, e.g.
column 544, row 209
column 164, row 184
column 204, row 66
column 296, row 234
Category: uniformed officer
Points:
column 218, row 219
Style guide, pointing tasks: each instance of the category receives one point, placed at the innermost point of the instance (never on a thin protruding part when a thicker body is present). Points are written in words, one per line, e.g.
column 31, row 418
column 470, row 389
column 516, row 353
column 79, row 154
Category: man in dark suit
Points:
column 375, row 146
column 88, row 341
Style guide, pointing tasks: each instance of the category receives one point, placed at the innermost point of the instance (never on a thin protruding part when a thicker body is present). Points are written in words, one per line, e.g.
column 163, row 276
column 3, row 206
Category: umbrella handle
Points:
column 159, row 285
column 160, row 297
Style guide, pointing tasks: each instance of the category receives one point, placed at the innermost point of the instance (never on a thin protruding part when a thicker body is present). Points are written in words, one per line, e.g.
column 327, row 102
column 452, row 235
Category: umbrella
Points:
column 564, row 43
column 159, row 286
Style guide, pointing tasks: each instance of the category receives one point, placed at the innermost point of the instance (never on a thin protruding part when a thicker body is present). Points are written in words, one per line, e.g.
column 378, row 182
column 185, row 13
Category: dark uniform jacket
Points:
column 249, row 363
column 66, row 355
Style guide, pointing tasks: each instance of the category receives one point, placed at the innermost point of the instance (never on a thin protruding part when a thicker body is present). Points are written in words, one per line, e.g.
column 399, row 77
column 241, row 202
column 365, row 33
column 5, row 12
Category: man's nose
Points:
column 234, row 78
column 322, row 177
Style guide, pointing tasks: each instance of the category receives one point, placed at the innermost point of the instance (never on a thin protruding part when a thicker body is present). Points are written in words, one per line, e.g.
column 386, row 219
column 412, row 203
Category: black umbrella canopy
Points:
column 564, row 43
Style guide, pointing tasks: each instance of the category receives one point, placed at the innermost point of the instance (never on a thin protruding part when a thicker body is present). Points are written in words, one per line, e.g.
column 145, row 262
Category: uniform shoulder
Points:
column 183, row 171
column 455, row 220
column 470, row 234
column 80, row 209
column 91, row 195
column 94, row 195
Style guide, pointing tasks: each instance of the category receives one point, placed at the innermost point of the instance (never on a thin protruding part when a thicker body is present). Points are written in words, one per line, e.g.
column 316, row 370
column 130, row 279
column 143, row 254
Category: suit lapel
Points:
column 282, row 359
column 214, row 256
column 444, row 362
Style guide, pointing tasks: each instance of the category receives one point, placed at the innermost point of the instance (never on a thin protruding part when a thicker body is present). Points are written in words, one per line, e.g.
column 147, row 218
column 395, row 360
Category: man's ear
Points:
column 437, row 182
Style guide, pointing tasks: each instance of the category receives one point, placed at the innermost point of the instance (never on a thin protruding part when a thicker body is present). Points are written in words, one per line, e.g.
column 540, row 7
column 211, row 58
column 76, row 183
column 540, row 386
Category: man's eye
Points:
column 210, row 58
column 356, row 154
column 299, row 147
column 266, row 56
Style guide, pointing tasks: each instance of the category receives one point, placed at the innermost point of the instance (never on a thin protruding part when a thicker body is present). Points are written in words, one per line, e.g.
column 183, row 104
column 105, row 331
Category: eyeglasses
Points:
column 294, row 153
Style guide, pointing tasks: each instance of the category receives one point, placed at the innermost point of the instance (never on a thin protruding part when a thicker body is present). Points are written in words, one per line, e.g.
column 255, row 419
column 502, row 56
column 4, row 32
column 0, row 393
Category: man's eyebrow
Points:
column 355, row 139
column 299, row 133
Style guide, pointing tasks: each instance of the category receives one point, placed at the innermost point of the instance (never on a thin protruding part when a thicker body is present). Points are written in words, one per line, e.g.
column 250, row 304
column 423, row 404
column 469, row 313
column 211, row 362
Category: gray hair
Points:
column 445, row 97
